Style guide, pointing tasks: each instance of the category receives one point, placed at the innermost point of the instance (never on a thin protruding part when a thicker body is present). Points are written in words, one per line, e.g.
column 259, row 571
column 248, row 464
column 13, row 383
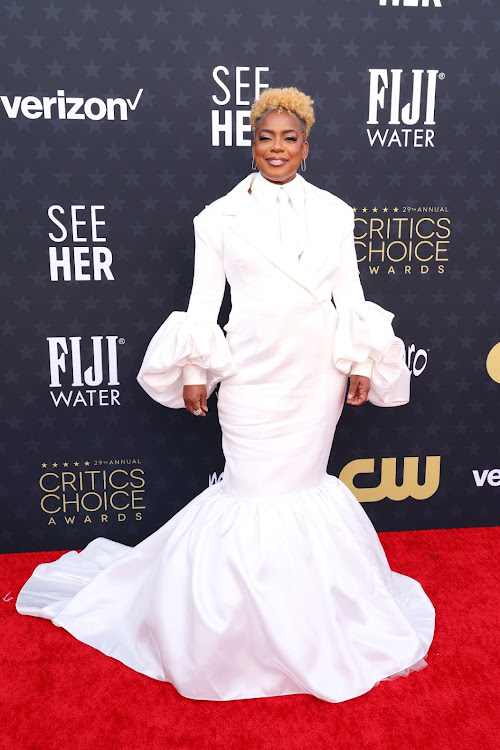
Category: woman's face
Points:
column 279, row 147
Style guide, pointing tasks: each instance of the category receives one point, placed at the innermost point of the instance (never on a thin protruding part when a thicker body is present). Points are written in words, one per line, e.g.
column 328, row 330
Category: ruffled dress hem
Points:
column 235, row 599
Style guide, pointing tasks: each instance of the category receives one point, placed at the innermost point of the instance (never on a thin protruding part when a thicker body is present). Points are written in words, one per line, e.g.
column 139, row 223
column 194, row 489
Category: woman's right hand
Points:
column 195, row 397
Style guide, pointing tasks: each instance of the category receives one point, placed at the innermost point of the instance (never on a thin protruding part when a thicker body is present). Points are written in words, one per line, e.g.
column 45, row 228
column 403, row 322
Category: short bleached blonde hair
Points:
column 289, row 100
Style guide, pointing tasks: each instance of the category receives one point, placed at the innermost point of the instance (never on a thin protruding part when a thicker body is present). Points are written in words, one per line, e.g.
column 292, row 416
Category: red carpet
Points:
column 58, row 694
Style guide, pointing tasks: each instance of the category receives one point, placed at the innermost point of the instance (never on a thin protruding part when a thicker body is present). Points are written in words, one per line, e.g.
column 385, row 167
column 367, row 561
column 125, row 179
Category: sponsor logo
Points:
column 96, row 491
column 402, row 241
column 232, row 126
column 62, row 107
column 492, row 476
column 77, row 262
column 493, row 363
column 416, row 359
column 412, row 3
column 214, row 478
column 66, row 358
column 388, row 485
column 389, row 88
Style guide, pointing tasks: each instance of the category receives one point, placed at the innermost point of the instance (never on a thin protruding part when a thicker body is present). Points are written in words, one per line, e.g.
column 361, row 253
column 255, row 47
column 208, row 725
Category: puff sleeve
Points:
column 190, row 347
column 365, row 343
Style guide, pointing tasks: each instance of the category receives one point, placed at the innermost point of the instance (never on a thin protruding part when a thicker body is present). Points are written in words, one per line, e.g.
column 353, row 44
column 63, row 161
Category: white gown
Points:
column 273, row 581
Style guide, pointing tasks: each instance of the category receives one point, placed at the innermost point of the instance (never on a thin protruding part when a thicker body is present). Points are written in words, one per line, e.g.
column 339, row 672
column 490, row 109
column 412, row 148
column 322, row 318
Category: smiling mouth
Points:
column 276, row 162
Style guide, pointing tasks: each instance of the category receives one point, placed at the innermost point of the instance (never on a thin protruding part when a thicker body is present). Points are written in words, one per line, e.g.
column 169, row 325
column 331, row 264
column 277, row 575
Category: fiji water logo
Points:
column 405, row 104
column 84, row 372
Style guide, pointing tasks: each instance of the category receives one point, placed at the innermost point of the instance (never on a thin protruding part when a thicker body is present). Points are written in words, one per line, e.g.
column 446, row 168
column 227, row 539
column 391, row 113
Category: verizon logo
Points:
column 62, row 107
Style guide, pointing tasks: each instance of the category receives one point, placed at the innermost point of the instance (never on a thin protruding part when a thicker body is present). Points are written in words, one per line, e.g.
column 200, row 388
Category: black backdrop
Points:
column 129, row 118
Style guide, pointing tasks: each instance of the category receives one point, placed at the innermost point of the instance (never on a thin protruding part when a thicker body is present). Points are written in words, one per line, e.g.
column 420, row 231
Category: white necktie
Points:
column 288, row 224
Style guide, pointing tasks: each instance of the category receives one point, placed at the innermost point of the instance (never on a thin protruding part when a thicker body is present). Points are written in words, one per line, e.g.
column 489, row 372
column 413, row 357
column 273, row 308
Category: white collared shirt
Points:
column 266, row 195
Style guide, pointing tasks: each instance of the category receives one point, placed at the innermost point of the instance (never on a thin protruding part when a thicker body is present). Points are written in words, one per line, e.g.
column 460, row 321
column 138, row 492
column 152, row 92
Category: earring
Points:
column 253, row 164
column 303, row 165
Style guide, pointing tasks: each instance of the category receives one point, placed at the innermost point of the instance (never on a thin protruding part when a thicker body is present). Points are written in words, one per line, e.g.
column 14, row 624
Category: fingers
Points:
column 359, row 389
column 203, row 402
column 195, row 399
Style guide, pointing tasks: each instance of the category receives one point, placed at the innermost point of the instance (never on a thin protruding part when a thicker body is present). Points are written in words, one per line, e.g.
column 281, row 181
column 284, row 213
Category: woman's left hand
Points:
column 359, row 388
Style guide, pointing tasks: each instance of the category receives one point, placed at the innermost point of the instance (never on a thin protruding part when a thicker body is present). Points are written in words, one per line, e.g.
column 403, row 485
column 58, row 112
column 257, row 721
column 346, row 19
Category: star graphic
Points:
column 52, row 13
column 108, row 42
column 417, row 50
column 180, row 44
column 127, row 70
column 125, row 14
column 336, row 21
column 402, row 22
column 385, row 49
column 197, row 72
column 301, row 21
column 35, row 39
column 266, row 19
column 450, row 50
column 318, row 48
column 232, row 18
column 468, row 23
column 15, row 10
column 92, row 69
column 369, row 22
column 482, row 51
column 19, row 68
column 435, row 23
column 351, row 49
column 144, row 44
column 215, row 46
column 89, row 14
column 284, row 46
column 300, row 75
column 250, row 46
column 334, row 75
column 197, row 17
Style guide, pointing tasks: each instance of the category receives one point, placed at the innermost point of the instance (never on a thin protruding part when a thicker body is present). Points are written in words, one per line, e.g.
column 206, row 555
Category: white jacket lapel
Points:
column 245, row 220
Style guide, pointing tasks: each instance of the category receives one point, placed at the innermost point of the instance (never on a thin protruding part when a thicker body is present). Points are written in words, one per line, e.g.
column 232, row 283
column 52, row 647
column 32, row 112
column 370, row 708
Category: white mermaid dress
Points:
column 273, row 581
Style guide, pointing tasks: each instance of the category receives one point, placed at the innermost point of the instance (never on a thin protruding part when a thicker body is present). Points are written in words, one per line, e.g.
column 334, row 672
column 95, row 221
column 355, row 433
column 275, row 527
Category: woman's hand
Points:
column 359, row 388
column 195, row 397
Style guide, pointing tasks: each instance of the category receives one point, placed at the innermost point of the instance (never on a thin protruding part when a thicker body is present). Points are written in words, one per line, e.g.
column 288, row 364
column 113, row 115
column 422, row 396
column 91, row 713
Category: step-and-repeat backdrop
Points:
column 119, row 122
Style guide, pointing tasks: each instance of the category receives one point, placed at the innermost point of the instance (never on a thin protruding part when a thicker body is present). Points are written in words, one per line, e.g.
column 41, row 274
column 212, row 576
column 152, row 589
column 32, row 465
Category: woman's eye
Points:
column 291, row 138
column 264, row 138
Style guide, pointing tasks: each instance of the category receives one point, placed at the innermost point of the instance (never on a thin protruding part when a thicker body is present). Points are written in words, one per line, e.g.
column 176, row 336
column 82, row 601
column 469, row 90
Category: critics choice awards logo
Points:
column 62, row 107
column 402, row 240
column 235, row 88
column 402, row 105
column 96, row 491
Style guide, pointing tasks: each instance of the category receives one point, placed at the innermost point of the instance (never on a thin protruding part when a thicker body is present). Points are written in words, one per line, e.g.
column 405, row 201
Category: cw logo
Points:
column 388, row 486
column 493, row 363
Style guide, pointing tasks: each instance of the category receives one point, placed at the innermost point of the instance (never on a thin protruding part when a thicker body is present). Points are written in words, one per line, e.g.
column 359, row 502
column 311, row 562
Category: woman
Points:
column 274, row 581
